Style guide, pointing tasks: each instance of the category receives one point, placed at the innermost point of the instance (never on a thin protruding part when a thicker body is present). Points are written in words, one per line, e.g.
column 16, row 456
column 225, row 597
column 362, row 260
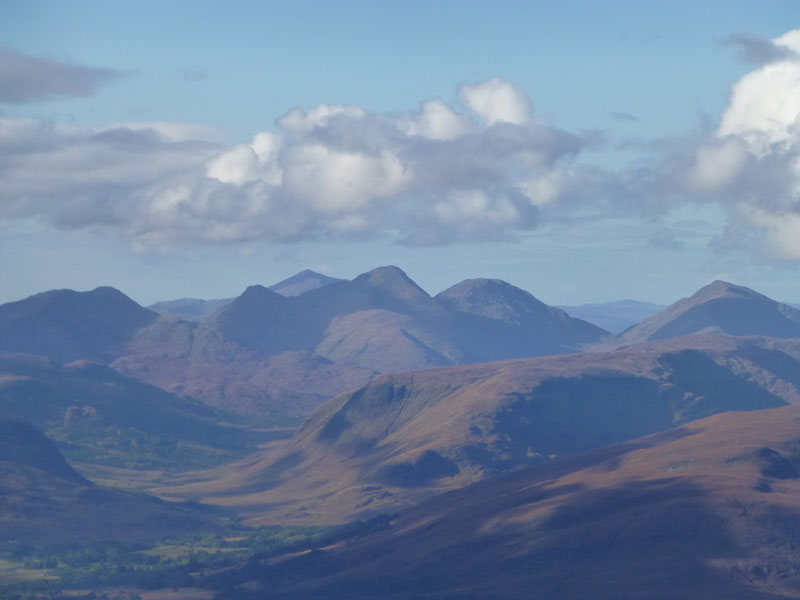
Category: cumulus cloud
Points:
column 481, row 170
column 26, row 78
column 751, row 164
column 496, row 101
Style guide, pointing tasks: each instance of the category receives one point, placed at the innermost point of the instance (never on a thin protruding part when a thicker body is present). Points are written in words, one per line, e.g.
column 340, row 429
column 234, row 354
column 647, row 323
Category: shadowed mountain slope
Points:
column 45, row 501
column 710, row 511
column 402, row 437
column 67, row 325
column 719, row 307
column 615, row 317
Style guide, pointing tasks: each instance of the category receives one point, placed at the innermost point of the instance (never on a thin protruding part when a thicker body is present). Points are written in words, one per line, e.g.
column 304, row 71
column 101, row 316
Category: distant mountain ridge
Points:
column 457, row 326
column 616, row 316
column 719, row 307
column 195, row 309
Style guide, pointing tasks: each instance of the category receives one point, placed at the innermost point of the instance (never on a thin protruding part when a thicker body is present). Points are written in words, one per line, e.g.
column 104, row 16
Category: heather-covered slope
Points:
column 44, row 500
column 402, row 437
column 710, row 511
column 719, row 307
column 67, row 325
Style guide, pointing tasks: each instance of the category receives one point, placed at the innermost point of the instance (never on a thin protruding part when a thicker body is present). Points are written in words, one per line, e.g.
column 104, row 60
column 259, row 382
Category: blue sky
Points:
column 585, row 151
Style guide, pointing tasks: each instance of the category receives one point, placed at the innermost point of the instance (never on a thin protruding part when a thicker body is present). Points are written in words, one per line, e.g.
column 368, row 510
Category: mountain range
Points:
column 497, row 439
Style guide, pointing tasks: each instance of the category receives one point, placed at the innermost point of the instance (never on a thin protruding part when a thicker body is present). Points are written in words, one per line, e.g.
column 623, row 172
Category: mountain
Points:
column 67, row 325
column 302, row 282
column 710, row 511
column 402, row 437
column 719, row 307
column 502, row 321
column 190, row 309
column 384, row 321
column 98, row 416
column 615, row 317
column 191, row 359
column 46, row 501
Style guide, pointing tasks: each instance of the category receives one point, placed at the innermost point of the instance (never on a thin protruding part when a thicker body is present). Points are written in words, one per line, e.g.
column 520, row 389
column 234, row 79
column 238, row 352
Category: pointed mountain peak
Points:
column 722, row 289
column 392, row 279
column 302, row 282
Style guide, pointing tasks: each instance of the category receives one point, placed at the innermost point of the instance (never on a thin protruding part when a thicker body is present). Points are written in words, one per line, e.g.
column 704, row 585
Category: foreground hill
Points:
column 710, row 511
column 67, row 325
column 45, row 501
column 719, row 307
column 615, row 317
column 101, row 417
column 402, row 437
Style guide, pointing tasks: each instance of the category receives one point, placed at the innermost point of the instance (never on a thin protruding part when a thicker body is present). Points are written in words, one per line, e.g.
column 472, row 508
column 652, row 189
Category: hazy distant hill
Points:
column 615, row 317
column 67, row 325
column 708, row 511
column 302, row 282
column 190, row 309
column 195, row 309
column 402, row 436
column 719, row 307
column 99, row 416
column 44, row 500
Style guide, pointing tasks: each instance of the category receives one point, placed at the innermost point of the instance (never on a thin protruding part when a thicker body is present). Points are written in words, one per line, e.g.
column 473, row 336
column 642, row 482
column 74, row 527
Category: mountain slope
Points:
column 706, row 512
column 719, row 307
column 67, row 325
column 44, row 500
column 195, row 360
column 98, row 416
column 402, row 437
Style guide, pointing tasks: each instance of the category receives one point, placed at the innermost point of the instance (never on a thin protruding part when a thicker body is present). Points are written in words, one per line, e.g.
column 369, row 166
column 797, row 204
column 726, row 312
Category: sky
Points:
column 585, row 151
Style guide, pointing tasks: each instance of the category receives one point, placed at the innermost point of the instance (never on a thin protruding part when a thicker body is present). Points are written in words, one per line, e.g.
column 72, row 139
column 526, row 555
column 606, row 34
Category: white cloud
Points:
column 426, row 176
column 752, row 162
column 496, row 101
